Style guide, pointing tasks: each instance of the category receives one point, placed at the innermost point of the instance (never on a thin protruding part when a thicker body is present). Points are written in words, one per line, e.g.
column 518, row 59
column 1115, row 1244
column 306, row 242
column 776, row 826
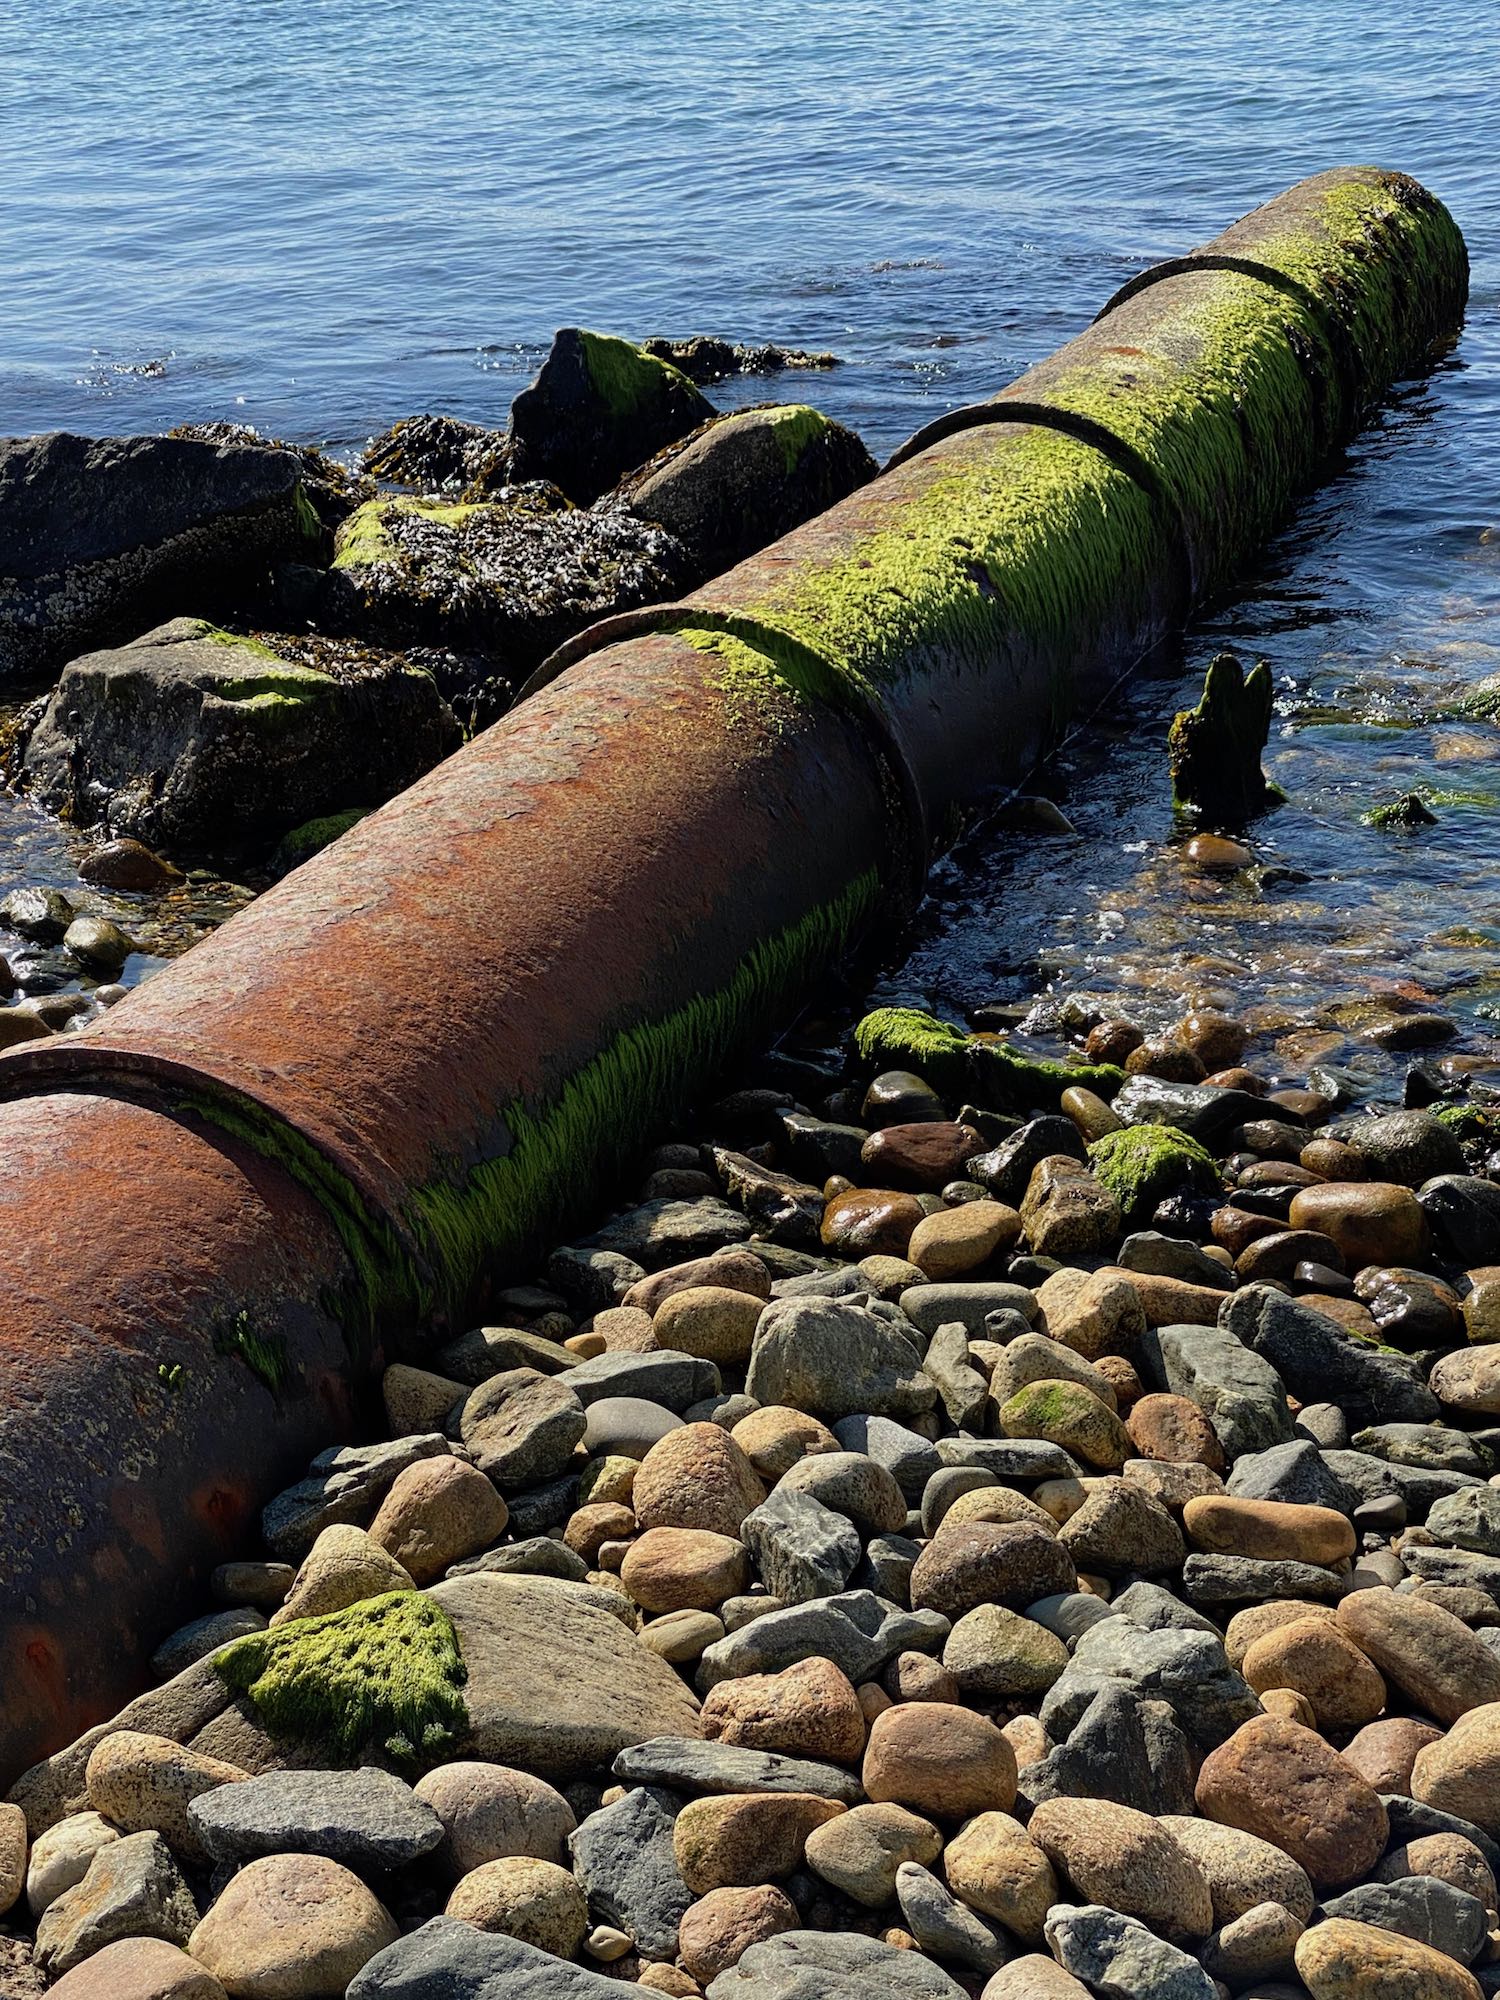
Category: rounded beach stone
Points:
column 417, row 1401
column 60, row 1857
column 624, row 1330
column 1121, row 1530
column 1067, row 1414
column 697, row 1477
column 1342, row 1960
column 1448, row 1857
column 1127, row 1860
column 861, row 1850
column 721, row 1926
column 774, row 1437
column 592, row 1525
column 12, row 1856
column 143, row 1784
column 994, row 1866
column 1271, row 1530
column 742, row 1840
column 995, row 1654
column 1284, row 1783
column 1012, row 1564
column 732, row 1269
column 1242, row 1871
column 808, row 1710
column 439, row 1511
column 870, row 1222
column 1319, row 1661
column 1172, row 1428
column 711, row 1321
column 291, row 1927
column 996, row 1504
column 1460, row 1773
column 343, row 1567
column 1095, row 1316
column 627, row 1426
column 682, row 1636
column 1372, row 1222
column 1433, row 1657
column 938, row 1758
column 491, row 1812
column 1384, row 1752
column 1246, row 1626
column 1469, row 1381
column 535, row 1901
column 139, row 1969
column 684, row 1569
column 956, row 1241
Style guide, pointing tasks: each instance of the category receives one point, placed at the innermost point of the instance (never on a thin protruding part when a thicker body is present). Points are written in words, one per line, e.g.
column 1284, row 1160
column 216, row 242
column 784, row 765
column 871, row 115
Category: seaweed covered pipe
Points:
column 403, row 1068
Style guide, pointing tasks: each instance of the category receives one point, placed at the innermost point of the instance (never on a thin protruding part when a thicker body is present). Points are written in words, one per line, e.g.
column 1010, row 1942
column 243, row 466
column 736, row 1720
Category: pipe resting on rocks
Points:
column 427, row 1049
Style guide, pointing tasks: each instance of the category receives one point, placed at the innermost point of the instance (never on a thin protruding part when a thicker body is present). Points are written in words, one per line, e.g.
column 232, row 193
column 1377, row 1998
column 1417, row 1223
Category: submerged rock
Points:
column 441, row 455
column 99, row 537
column 200, row 740
column 702, row 358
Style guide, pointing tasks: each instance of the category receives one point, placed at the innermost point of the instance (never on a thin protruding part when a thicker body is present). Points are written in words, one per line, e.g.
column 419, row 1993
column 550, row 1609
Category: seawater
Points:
column 315, row 218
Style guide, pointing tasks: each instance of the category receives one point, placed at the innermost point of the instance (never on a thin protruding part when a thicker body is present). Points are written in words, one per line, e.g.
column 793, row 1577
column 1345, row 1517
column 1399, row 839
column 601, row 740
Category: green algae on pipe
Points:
column 400, row 1072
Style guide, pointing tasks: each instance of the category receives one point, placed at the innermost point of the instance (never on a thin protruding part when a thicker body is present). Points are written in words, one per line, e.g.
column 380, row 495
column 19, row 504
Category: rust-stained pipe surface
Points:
column 425, row 1051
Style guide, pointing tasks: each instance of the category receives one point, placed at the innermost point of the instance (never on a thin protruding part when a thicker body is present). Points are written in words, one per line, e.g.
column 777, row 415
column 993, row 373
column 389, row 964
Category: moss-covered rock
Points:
column 384, row 1673
column 1405, row 814
column 1142, row 1164
column 745, row 480
column 599, row 407
column 702, row 358
column 1214, row 750
column 981, row 1067
column 204, row 741
column 304, row 841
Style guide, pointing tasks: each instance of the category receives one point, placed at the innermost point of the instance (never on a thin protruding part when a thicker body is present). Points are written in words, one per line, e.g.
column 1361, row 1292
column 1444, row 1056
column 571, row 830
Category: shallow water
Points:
column 317, row 219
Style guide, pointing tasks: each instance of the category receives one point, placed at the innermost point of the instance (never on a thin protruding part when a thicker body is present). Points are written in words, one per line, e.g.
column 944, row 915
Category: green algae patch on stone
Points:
column 1006, row 1080
column 1214, row 750
column 796, row 426
column 906, row 1038
column 304, row 841
column 623, row 375
column 386, row 1672
column 563, row 1152
column 1403, row 815
column 1143, row 1164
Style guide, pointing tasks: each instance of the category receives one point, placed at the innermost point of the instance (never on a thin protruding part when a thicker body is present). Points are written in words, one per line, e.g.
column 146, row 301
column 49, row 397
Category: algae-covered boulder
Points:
column 194, row 739
column 1142, row 1164
column 982, row 1067
column 442, row 455
column 100, row 537
column 508, row 579
column 747, row 479
column 599, row 407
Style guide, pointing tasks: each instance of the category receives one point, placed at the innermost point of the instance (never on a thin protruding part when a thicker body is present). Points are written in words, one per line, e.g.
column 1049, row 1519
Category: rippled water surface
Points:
column 317, row 218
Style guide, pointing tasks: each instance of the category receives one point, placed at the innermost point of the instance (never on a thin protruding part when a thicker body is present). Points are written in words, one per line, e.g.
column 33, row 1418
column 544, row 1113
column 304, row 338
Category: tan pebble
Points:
column 711, row 1321
column 994, row 1866
column 537, row 1902
column 591, row 1526
column 344, row 1566
column 490, row 1812
column 742, row 1840
column 806, row 1710
column 720, row 1928
column 775, row 1437
column 1127, row 1860
column 941, row 1759
column 684, row 1569
column 142, row 1784
column 1341, row 1960
column 291, row 1925
column 1284, row 1783
column 957, row 1241
column 1317, row 1661
column 1273, row 1530
column 681, row 1636
column 624, row 1330
column 1461, row 1772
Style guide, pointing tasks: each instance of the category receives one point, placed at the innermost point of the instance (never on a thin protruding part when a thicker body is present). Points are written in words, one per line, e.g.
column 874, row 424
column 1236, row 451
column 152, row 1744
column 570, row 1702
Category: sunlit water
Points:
column 318, row 218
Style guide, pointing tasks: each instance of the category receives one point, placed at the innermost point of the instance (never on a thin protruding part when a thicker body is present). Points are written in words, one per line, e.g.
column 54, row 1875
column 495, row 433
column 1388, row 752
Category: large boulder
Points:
column 100, row 537
column 556, row 1685
column 507, row 578
column 747, row 479
column 599, row 407
column 194, row 739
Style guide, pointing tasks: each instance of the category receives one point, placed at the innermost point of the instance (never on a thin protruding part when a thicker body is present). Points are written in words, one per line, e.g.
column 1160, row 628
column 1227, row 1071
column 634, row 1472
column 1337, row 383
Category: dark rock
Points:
column 1007, row 1169
column 661, row 1233
column 101, row 537
column 199, row 740
column 1208, row 1579
column 1117, row 1958
column 802, row 1549
column 745, row 480
column 1411, row 1820
column 591, row 1277
column 1296, row 1472
column 1214, row 750
column 1123, row 1747
column 1463, row 1213
column 1158, row 1256
column 787, row 1210
column 859, row 1632
column 832, row 1965
column 1318, row 1359
column 911, row 1459
column 817, row 1148
column 1186, row 1669
column 344, row 1484
column 448, row 1959
column 1409, row 1147
column 1241, row 1394
column 624, row 1861
column 683, row 1764
column 41, row 915
column 1203, row 1110
column 675, row 1381
column 944, row 1926
column 703, row 358
column 366, row 1819
column 537, row 1555
column 599, row 407
column 1418, row 1906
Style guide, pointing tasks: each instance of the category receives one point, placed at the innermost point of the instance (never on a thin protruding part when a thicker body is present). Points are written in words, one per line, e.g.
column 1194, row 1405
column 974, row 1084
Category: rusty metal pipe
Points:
column 403, row 1068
